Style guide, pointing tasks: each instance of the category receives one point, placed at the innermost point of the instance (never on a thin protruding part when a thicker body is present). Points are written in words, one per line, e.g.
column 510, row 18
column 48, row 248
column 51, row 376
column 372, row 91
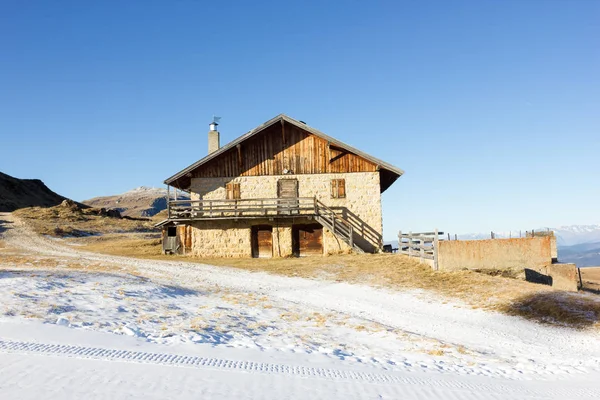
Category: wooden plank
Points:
column 425, row 256
column 436, row 247
column 309, row 239
column 265, row 243
column 427, row 233
column 422, row 238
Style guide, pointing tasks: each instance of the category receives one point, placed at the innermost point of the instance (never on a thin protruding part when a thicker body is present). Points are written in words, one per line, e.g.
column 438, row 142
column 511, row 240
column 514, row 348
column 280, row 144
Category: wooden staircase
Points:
column 336, row 224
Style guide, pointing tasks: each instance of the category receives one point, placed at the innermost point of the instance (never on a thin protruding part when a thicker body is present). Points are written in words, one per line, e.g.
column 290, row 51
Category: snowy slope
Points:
column 163, row 329
column 53, row 362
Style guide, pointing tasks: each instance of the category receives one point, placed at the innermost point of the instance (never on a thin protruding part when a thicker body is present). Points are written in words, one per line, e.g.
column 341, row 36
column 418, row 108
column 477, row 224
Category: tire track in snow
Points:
column 175, row 360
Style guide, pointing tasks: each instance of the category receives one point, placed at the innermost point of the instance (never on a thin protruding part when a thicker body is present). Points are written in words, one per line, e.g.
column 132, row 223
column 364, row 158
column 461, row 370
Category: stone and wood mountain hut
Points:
column 282, row 189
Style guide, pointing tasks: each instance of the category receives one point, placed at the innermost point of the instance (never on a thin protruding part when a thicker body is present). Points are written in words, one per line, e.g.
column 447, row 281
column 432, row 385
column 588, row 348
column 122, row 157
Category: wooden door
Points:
column 262, row 241
column 308, row 240
column 287, row 191
column 170, row 240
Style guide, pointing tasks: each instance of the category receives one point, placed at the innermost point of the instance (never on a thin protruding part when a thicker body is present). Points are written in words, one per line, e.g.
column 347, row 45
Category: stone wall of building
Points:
column 221, row 239
column 361, row 206
column 229, row 238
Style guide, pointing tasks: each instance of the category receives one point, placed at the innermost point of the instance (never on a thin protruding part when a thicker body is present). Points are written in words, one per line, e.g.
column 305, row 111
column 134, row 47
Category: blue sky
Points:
column 491, row 107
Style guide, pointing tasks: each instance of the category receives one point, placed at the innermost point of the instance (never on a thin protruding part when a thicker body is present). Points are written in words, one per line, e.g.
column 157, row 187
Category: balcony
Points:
column 197, row 210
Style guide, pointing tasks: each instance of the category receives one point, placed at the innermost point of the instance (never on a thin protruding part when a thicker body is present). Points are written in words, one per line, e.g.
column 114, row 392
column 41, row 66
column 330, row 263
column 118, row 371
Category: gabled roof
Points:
column 397, row 172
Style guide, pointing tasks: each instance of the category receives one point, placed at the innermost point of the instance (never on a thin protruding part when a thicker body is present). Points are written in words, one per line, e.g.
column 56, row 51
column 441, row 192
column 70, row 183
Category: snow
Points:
column 175, row 329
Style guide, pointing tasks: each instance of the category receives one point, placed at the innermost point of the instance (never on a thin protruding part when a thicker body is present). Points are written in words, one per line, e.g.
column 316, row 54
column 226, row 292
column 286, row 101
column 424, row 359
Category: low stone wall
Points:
column 564, row 276
column 554, row 248
column 521, row 253
column 559, row 276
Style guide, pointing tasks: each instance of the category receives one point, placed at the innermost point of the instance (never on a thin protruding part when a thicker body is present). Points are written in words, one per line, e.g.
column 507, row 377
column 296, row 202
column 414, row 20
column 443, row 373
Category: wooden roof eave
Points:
column 282, row 117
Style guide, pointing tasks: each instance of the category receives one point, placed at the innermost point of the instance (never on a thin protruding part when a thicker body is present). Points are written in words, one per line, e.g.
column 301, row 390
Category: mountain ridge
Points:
column 142, row 201
column 16, row 193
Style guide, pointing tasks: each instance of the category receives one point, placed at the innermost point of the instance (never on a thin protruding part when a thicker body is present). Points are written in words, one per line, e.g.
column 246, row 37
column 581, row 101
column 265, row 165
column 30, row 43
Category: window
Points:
column 172, row 231
column 338, row 188
column 233, row 191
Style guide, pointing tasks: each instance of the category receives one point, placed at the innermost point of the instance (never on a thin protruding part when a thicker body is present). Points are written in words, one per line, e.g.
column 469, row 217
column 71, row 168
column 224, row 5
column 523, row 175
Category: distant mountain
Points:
column 565, row 235
column 18, row 193
column 584, row 255
column 139, row 202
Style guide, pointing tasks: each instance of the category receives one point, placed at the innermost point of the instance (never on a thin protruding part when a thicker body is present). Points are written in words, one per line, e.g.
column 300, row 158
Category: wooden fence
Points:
column 423, row 245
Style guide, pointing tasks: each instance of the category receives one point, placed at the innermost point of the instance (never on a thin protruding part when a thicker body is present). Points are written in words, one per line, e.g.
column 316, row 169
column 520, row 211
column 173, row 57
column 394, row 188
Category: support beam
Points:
column 168, row 202
column 239, row 155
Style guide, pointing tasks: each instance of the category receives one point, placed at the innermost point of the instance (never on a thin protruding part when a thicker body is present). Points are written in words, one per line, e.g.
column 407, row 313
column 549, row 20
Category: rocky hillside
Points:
column 139, row 202
column 18, row 193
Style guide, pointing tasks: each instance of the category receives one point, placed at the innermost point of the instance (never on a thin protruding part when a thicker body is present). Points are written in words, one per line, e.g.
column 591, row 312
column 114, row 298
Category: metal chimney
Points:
column 213, row 138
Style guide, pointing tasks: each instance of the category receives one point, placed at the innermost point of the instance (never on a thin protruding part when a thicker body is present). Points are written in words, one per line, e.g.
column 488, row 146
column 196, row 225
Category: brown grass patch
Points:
column 436, row 352
column 557, row 308
column 61, row 221
column 590, row 277
column 12, row 261
column 116, row 245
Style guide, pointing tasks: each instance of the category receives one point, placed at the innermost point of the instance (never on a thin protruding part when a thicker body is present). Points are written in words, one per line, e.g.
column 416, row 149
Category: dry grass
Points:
column 17, row 261
column 64, row 221
column 591, row 279
column 436, row 352
column 557, row 308
column 117, row 245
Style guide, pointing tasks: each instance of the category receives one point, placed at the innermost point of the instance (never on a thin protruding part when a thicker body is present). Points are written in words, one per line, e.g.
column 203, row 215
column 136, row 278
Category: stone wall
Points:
column 551, row 234
column 221, row 239
column 228, row 238
column 564, row 277
column 521, row 253
column 362, row 205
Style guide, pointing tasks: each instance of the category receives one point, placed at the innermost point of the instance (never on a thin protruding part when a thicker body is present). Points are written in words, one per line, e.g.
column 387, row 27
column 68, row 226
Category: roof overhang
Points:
column 392, row 174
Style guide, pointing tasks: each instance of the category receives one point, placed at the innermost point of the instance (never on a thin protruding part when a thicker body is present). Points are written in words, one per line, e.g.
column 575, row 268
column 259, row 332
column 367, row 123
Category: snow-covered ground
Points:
column 159, row 329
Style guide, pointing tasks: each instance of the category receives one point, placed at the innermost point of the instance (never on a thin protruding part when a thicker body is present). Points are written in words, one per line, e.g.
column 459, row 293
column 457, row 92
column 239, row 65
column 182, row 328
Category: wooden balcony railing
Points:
column 185, row 210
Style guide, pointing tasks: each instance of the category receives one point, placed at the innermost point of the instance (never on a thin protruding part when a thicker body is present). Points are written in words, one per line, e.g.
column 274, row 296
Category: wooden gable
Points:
column 283, row 148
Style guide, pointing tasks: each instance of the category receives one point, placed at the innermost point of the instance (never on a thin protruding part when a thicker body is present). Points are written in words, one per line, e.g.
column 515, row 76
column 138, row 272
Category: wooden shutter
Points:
column 338, row 188
column 233, row 191
column 287, row 188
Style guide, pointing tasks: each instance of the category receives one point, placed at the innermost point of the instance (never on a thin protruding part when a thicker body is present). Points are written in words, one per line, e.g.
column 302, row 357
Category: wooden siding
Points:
column 283, row 147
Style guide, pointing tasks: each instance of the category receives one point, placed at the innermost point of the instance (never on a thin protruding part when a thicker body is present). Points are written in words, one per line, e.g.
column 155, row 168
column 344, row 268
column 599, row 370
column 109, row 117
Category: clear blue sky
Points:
column 491, row 107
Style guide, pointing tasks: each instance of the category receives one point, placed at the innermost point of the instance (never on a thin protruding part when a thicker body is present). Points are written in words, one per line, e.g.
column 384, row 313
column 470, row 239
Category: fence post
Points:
column 410, row 244
column 448, row 235
column 422, row 250
column 399, row 242
column 168, row 202
column 436, row 243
